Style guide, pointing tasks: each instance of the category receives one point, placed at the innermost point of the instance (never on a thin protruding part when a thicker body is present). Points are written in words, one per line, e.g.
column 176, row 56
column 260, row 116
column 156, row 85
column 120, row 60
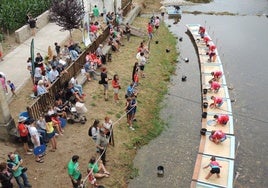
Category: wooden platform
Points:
column 225, row 151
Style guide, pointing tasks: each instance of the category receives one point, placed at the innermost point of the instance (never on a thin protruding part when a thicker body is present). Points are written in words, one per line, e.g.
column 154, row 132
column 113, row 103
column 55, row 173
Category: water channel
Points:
column 242, row 44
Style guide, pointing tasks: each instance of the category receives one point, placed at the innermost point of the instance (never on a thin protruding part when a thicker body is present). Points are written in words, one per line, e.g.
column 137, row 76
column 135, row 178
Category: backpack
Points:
column 89, row 131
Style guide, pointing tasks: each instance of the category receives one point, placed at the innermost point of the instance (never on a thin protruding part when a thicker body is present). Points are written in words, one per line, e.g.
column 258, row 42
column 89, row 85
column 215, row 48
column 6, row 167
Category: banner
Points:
column 86, row 38
column 32, row 56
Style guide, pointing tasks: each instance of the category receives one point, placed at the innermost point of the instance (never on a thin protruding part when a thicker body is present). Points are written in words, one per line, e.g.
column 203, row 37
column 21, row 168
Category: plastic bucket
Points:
column 205, row 91
column 204, row 115
column 205, row 104
column 160, row 171
column 203, row 131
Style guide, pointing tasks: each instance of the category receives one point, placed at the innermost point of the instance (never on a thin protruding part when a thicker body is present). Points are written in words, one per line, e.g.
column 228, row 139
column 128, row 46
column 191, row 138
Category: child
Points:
column 12, row 87
column 215, row 168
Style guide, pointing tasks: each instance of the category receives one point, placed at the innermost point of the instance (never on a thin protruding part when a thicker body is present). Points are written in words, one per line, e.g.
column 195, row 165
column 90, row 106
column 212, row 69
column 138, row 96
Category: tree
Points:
column 67, row 14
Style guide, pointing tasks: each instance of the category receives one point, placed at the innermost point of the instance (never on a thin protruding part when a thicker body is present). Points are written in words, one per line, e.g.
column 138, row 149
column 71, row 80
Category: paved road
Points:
column 14, row 65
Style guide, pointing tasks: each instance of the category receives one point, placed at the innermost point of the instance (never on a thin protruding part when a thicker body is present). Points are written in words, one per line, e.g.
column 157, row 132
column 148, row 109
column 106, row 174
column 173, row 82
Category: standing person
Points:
column 23, row 132
column 101, row 144
column 127, row 31
column 108, row 128
column 74, row 172
column 104, row 82
column 157, row 22
column 1, row 53
column 96, row 12
column 3, row 83
column 116, row 87
column 93, row 131
column 215, row 168
column 35, row 138
column 32, row 24
column 134, row 104
column 12, row 87
column 57, row 49
column 134, row 70
column 5, row 176
column 129, row 112
column 14, row 163
column 51, row 132
column 142, row 62
column 150, row 31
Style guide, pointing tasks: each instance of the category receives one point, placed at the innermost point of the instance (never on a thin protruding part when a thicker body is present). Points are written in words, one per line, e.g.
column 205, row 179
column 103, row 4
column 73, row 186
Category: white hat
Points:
column 40, row 82
column 22, row 119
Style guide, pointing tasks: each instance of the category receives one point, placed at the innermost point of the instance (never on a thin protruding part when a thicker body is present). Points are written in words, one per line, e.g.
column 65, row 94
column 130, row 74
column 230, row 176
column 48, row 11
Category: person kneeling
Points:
column 217, row 136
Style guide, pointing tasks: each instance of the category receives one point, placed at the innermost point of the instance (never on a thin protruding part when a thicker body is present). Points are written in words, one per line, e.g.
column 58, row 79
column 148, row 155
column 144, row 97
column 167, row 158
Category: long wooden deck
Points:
column 225, row 151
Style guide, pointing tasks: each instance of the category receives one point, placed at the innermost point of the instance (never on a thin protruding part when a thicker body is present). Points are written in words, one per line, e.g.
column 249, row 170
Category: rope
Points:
column 105, row 148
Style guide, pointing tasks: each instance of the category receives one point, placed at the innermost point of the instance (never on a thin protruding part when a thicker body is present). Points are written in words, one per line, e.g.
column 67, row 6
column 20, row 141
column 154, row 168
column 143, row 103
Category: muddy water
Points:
column 242, row 43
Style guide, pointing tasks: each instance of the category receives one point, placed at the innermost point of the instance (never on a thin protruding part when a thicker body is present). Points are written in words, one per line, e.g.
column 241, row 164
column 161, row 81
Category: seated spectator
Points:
column 99, row 170
column 221, row 119
column 60, row 97
column 72, row 94
column 214, row 86
column 77, row 86
column 109, row 18
column 60, row 109
column 217, row 136
column 217, row 102
column 112, row 42
column 65, row 53
column 41, row 89
column 53, row 74
column 74, row 55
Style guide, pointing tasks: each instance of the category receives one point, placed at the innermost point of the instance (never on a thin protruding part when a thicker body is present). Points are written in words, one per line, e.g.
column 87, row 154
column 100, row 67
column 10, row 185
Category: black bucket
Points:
column 180, row 39
column 204, row 115
column 203, row 131
column 205, row 91
column 156, row 42
column 167, row 50
column 184, row 78
column 205, row 105
column 160, row 171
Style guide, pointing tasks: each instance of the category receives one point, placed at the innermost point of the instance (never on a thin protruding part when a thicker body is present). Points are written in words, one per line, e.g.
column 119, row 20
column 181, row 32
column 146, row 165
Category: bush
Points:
column 13, row 13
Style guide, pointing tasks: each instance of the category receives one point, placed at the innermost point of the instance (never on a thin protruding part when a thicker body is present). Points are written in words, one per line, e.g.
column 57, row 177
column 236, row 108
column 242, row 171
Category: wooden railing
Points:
column 43, row 102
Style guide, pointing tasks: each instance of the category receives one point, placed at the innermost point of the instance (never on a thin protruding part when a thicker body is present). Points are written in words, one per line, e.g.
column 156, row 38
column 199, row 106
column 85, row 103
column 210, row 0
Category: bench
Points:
column 81, row 78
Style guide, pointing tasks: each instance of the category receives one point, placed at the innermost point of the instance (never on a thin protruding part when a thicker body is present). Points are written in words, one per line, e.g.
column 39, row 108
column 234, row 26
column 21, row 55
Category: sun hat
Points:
column 22, row 119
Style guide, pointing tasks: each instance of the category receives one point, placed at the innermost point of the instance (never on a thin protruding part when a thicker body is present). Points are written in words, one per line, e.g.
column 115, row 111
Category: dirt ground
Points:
column 75, row 139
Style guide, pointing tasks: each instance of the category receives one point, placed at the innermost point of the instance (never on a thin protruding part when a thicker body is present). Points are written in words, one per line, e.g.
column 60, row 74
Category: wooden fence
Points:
column 43, row 102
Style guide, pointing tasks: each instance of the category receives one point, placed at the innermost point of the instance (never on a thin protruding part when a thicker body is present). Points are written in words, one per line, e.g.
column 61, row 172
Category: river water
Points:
column 242, row 44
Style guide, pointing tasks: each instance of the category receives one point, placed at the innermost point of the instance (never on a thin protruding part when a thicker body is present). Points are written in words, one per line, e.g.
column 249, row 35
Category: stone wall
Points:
column 23, row 33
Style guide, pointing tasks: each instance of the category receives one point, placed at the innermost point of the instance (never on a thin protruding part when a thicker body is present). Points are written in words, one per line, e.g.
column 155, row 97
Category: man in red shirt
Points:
column 221, row 119
column 217, row 102
column 214, row 86
column 216, row 75
column 23, row 131
column 217, row 136
column 150, row 30
column 202, row 31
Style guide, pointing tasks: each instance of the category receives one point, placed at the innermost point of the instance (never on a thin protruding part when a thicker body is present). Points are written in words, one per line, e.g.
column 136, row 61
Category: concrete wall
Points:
column 23, row 33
